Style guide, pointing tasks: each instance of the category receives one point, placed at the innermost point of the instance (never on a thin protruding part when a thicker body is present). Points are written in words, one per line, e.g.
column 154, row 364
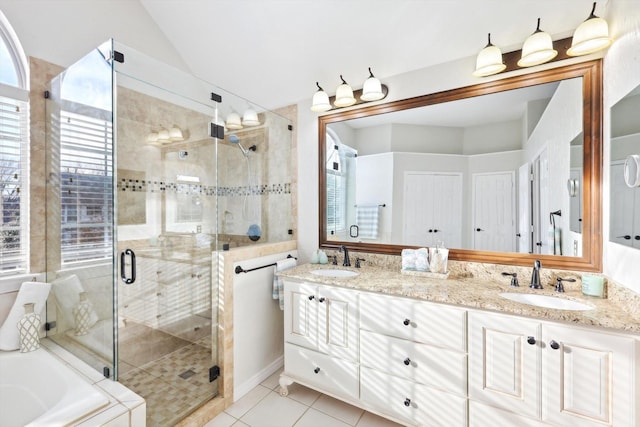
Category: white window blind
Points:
column 14, row 142
column 336, row 214
column 86, row 187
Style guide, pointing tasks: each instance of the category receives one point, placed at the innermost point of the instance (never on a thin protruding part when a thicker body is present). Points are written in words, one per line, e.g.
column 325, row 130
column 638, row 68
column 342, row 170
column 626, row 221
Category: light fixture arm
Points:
column 538, row 30
column 371, row 73
column 343, row 82
column 319, row 88
column 593, row 12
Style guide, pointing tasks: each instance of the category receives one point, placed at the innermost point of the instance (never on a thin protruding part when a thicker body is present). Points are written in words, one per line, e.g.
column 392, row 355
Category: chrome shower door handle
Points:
column 123, row 266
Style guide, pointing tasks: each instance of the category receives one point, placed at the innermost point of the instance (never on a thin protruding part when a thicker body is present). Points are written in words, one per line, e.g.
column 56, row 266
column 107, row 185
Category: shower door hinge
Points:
column 49, row 325
column 214, row 373
column 217, row 131
column 106, row 372
column 117, row 56
column 290, row 127
column 46, row 94
column 215, row 97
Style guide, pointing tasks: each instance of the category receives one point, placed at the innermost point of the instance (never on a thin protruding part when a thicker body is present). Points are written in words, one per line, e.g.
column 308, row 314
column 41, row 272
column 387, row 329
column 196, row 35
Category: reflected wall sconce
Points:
column 165, row 136
column 372, row 90
column 233, row 121
column 590, row 36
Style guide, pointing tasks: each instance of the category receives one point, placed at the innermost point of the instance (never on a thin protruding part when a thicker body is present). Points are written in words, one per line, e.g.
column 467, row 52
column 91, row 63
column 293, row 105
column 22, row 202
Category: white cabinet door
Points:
column 589, row 378
column 338, row 322
column 504, row 355
column 301, row 314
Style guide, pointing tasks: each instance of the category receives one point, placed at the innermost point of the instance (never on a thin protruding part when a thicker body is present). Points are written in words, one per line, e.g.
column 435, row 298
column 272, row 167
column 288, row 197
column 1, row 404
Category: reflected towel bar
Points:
column 384, row 205
column 242, row 270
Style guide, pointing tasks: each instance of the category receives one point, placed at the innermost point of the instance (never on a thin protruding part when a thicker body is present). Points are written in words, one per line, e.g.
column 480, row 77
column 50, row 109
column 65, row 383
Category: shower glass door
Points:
column 165, row 176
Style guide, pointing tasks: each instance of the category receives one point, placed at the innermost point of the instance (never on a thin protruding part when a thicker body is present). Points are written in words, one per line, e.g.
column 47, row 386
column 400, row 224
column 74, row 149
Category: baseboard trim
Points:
column 244, row 388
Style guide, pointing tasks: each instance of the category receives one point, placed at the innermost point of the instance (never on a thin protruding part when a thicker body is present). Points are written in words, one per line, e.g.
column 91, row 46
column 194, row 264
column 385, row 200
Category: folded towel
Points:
column 278, row 286
column 30, row 292
column 367, row 219
column 409, row 259
column 422, row 259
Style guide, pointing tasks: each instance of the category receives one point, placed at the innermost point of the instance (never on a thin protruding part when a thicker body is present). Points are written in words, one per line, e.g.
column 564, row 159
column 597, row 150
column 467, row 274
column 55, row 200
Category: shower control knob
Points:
column 531, row 340
column 316, row 370
column 311, row 297
column 407, row 402
column 554, row 345
column 406, row 322
column 407, row 361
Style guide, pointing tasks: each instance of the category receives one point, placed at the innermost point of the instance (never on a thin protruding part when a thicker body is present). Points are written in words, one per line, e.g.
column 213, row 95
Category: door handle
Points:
column 123, row 267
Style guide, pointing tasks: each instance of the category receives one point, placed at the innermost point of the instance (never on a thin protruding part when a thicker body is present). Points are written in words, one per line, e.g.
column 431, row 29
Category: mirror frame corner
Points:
column 591, row 73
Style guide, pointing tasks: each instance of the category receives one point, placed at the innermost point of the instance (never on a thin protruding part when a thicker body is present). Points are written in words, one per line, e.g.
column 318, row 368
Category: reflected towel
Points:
column 367, row 219
column 278, row 286
column 30, row 292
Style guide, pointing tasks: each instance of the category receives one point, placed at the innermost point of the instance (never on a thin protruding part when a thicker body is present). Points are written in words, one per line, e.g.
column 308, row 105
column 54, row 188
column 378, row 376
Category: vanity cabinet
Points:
column 321, row 338
column 413, row 360
column 564, row 376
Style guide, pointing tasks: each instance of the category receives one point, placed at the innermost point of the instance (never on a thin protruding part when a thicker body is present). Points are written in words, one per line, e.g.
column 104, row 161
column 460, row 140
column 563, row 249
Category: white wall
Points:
column 63, row 31
column 621, row 75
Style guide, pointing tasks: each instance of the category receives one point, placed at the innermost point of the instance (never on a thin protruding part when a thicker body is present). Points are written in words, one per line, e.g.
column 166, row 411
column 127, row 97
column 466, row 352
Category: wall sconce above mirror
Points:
column 372, row 90
column 590, row 36
column 462, row 162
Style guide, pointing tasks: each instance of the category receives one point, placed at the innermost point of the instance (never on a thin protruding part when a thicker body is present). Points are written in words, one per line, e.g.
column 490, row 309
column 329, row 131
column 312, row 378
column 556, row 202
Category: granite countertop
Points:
column 482, row 293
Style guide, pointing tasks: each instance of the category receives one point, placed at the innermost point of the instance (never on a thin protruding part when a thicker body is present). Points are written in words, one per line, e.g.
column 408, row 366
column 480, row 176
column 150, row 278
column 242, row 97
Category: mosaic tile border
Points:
column 153, row 186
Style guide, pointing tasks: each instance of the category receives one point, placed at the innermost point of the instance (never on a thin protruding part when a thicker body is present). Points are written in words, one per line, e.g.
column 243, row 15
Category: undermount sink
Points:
column 546, row 301
column 334, row 273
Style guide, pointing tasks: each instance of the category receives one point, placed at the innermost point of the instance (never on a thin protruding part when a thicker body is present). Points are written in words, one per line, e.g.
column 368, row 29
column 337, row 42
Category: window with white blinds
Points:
column 14, row 143
column 86, row 188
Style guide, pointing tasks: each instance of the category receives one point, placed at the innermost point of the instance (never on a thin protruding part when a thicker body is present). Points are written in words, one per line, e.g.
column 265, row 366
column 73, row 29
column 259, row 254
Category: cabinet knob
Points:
column 554, row 345
column 407, row 361
column 311, row 297
column 321, row 299
column 407, row 402
column 479, row 229
column 406, row 322
column 625, row 237
column 316, row 370
column 531, row 340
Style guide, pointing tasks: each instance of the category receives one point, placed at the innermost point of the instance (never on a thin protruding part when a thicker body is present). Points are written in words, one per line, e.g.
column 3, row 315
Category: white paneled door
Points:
column 494, row 225
column 432, row 209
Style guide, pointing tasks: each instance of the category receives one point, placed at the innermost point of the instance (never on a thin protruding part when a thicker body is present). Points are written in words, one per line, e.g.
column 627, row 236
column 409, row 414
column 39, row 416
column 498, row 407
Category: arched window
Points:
column 14, row 149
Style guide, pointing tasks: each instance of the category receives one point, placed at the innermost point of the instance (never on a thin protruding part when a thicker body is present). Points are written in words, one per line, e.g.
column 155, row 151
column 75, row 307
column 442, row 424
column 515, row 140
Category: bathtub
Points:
column 38, row 389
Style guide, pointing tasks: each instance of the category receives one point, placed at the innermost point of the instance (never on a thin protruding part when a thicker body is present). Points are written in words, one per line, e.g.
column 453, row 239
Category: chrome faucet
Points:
column 535, row 275
column 347, row 262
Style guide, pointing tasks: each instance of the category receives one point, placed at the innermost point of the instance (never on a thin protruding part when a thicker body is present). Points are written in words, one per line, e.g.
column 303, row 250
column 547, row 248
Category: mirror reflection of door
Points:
column 524, row 236
column 625, row 206
column 432, row 209
column 540, row 203
column 494, row 212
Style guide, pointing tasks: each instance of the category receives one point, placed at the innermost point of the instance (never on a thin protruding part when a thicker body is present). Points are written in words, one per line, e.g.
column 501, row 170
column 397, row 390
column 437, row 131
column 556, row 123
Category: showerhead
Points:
column 233, row 138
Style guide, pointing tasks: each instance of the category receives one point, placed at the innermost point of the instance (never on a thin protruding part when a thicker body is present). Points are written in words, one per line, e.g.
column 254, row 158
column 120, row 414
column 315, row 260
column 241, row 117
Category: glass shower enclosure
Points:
column 143, row 187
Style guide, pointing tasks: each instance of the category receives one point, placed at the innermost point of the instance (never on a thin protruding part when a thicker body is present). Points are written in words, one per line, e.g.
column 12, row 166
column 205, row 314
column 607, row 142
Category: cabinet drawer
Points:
column 414, row 320
column 326, row 373
column 422, row 363
column 415, row 403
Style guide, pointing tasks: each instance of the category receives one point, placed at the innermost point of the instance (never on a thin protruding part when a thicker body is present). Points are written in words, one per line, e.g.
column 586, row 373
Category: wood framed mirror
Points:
column 551, row 124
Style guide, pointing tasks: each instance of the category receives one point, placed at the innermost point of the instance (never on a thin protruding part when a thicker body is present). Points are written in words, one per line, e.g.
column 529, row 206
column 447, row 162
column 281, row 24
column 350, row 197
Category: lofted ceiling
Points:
column 272, row 52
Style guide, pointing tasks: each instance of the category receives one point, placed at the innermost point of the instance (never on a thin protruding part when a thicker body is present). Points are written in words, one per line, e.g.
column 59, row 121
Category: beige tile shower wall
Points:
column 41, row 72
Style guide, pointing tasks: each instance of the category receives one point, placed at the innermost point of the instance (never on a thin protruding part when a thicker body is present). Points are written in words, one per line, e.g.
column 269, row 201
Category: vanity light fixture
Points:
column 537, row 49
column 152, row 138
column 320, row 101
column 489, row 60
column 344, row 95
column 590, row 36
column 372, row 90
column 163, row 136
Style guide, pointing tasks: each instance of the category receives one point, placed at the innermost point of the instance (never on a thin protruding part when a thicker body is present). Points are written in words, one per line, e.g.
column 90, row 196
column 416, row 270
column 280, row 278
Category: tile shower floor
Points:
column 264, row 407
column 172, row 374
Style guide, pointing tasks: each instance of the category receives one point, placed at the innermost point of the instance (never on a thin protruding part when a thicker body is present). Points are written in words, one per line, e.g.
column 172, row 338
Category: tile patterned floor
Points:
column 264, row 407
column 170, row 397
